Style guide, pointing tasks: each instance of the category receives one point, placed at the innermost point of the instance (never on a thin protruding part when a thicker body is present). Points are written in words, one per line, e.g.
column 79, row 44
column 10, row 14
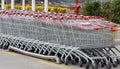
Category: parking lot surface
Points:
column 12, row 60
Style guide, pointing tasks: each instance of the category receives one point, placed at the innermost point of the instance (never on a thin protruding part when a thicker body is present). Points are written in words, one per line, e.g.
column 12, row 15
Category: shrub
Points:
column 62, row 10
column 109, row 10
column 92, row 9
column 18, row 6
column 52, row 9
column 39, row 8
column 116, row 11
column 106, row 10
column 28, row 7
column 57, row 9
column 7, row 6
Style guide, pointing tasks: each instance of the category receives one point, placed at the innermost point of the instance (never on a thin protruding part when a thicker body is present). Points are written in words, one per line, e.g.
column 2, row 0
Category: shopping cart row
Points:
column 83, row 40
column 97, row 57
column 48, row 15
column 56, row 32
column 71, row 19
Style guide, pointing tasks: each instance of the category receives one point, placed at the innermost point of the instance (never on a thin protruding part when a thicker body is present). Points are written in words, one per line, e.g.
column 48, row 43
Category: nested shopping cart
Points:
column 88, row 41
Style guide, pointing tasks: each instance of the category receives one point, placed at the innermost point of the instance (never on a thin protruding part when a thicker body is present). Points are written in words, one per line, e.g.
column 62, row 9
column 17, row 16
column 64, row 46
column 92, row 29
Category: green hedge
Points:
column 108, row 9
column 116, row 12
column 92, row 9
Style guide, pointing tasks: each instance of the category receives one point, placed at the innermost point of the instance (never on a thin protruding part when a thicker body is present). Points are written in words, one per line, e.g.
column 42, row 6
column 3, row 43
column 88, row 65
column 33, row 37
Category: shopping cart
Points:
column 88, row 41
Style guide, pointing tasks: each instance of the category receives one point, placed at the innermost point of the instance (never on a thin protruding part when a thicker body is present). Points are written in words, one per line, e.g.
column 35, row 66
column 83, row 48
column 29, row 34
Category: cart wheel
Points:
column 91, row 66
column 60, row 62
column 108, row 65
column 80, row 64
column 115, row 64
column 118, row 61
column 101, row 64
column 6, row 47
column 1, row 46
column 66, row 62
column 73, row 62
column 10, row 50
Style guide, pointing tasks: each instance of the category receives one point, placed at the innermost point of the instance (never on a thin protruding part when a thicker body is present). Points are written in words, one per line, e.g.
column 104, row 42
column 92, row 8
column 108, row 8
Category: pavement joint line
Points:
column 54, row 64
column 10, row 53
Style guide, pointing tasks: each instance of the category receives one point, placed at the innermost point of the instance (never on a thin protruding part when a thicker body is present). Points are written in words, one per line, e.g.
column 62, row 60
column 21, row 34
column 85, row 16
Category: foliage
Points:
column 39, row 8
column 50, row 9
column 108, row 9
column 57, row 9
column 62, row 10
column 92, row 8
column 28, row 7
column 7, row 6
column 18, row 6
column 116, row 11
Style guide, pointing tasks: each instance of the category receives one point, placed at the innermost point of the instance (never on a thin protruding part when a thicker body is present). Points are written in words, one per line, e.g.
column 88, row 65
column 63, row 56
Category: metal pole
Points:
column 23, row 4
column 33, row 5
column 12, row 4
column 77, row 8
column 3, row 2
column 76, row 2
column 46, row 5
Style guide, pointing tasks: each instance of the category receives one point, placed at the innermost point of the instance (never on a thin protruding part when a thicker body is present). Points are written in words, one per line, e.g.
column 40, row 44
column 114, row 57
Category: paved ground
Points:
column 11, row 60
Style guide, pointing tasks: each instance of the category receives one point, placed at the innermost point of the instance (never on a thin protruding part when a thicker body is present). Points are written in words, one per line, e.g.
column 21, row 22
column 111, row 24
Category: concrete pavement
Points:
column 12, row 60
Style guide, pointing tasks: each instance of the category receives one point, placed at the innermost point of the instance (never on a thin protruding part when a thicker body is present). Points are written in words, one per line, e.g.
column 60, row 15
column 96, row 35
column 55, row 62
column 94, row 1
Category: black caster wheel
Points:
column 11, row 50
column 66, row 62
column 115, row 64
column 59, row 61
column 0, row 47
column 5, row 47
column 73, row 62
column 108, row 66
column 91, row 66
column 80, row 64
column 101, row 64
column 118, row 61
